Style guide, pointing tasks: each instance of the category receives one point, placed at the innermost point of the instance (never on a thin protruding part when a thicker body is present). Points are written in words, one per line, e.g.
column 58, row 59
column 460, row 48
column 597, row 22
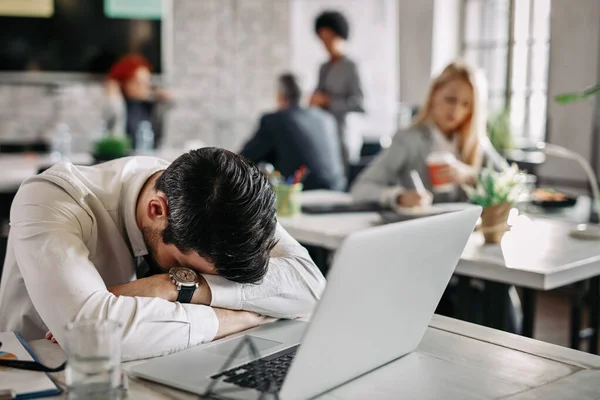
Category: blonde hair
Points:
column 474, row 128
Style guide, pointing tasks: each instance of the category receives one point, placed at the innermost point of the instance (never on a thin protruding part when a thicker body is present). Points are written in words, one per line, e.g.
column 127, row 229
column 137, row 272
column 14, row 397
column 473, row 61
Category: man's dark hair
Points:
column 222, row 207
column 335, row 21
column 288, row 85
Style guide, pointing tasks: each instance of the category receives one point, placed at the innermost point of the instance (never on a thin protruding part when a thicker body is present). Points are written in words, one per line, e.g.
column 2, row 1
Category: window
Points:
column 509, row 40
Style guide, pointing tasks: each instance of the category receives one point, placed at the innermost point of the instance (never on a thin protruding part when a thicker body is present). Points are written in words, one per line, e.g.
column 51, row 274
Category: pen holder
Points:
column 287, row 199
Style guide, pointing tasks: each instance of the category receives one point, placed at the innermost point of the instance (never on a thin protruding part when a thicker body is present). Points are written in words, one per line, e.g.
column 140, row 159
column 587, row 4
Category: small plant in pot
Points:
column 496, row 192
column 111, row 147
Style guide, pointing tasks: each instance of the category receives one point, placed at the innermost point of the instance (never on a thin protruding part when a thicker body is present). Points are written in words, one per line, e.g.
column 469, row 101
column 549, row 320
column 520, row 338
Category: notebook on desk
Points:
column 25, row 384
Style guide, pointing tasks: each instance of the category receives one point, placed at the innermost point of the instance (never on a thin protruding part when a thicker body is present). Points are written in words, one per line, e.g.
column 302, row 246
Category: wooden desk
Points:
column 537, row 254
column 455, row 360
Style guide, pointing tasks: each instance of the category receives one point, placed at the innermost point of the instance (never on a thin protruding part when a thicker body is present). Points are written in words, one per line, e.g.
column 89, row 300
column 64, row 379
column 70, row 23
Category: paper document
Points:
column 26, row 384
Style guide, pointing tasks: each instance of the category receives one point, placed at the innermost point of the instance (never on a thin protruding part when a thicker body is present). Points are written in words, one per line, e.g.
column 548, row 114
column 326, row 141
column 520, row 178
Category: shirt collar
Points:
column 129, row 201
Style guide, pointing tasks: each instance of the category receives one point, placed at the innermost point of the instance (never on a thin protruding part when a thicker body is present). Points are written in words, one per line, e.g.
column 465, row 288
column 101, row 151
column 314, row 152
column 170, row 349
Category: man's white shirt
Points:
column 73, row 233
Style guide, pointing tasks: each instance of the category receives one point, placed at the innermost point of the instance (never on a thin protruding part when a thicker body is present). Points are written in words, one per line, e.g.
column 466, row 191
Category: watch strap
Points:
column 185, row 294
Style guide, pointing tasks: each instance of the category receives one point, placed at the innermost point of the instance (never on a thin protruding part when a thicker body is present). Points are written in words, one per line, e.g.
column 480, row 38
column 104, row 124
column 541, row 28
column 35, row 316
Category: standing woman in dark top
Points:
column 131, row 99
column 339, row 90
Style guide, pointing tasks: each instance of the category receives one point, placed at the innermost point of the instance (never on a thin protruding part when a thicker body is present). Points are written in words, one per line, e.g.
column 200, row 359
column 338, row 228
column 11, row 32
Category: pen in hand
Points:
column 419, row 187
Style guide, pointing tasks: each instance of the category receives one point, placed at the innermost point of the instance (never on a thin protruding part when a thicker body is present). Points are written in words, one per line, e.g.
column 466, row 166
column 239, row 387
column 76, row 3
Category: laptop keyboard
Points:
column 265, row 374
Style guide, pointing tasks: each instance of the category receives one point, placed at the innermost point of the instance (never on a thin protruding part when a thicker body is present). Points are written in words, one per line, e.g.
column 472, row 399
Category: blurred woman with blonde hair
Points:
column 442, row 145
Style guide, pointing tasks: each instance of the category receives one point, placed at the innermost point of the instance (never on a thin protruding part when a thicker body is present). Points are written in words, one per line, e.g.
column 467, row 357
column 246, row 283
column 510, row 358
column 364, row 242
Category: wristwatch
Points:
column 186, row 281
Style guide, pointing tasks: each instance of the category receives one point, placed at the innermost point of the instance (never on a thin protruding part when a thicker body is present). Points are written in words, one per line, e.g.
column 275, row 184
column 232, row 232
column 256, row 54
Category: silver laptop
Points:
column 382, row 290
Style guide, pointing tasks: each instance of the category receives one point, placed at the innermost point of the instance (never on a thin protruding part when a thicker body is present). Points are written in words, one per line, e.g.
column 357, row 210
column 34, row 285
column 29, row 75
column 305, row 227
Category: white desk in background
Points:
column 537, row 254
column 18, row 167
column 456, row 360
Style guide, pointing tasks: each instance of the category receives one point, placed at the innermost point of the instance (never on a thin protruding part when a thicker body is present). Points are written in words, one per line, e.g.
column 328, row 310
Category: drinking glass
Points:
column 94, row 359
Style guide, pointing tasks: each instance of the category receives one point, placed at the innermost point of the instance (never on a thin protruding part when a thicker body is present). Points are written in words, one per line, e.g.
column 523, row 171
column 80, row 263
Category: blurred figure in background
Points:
column 338, row 90
column 294, row 136
column 449, row 125
column 131, row 99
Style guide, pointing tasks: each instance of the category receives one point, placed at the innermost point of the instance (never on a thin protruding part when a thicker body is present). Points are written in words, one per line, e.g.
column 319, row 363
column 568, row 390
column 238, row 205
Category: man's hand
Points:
column 231, row 321
column 161, row 285
column 319, row 99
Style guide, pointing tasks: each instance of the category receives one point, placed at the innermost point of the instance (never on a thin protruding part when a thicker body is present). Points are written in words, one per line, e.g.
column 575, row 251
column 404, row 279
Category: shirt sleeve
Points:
column 49, row 240
column 290, row 289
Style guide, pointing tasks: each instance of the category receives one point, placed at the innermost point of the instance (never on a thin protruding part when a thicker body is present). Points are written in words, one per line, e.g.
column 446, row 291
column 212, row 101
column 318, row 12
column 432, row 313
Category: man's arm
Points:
column 161, row 285
column 291, row 289
column 49, row 244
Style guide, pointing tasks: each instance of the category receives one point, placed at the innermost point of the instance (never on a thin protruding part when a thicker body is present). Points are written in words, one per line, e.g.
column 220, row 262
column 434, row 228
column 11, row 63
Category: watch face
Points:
column 185, row 275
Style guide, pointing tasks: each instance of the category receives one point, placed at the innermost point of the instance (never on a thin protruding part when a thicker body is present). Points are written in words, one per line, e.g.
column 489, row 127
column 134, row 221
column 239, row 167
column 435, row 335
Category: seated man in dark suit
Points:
column 296, row 136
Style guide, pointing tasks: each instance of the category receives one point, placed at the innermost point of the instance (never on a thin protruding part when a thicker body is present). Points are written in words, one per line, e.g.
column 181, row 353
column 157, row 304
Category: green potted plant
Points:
column 111, row 147
column 499, row 132
column 496, row 192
